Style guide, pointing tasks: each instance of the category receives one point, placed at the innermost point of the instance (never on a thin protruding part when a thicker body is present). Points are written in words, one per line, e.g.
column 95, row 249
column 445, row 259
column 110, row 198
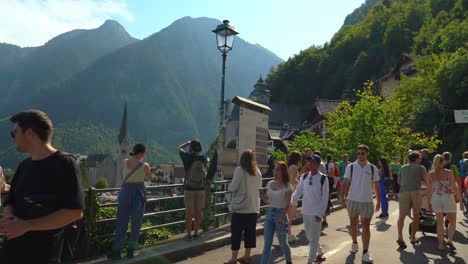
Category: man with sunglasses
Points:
column 314, row 188
column 45, row 194
column 361, row 176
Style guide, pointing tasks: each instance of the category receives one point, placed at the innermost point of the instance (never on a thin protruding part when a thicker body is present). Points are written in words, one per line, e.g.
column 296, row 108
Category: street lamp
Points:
column 225, row 34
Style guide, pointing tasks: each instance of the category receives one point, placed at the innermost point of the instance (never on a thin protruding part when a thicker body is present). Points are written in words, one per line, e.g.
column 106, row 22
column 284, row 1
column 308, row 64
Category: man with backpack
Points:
column 314, row 186
column 194, row 185
column 360, row 176
column 45, row 194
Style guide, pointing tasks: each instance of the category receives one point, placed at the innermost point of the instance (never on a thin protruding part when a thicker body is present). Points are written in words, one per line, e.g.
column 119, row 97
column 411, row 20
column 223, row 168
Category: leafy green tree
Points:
column 376, row 123
column 101, row 183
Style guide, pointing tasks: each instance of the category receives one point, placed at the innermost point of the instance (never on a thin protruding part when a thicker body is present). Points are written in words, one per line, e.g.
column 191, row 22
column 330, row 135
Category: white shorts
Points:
column 443, row 203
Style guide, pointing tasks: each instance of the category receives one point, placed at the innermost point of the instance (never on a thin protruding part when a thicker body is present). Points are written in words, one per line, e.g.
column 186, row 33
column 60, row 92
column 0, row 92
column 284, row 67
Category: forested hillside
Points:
column 434, row 32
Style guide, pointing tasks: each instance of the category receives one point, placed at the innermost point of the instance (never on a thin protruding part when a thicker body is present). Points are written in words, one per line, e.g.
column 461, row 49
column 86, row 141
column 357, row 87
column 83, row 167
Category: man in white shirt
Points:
column 362, row 175
column 314, row 187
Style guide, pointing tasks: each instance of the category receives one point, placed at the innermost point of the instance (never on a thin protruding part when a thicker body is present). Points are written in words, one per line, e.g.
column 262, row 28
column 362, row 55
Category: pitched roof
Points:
column 275, row 134
column 239, row 100
column 291, row 114
column 326, row 106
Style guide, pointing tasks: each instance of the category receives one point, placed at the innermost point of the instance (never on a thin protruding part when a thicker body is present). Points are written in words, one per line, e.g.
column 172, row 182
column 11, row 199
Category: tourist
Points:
column 322, row 167
column 294, row 162
column 463, row 165
column 131, row 201
column 330, row 172
column 342, row 167
column 456, row 173
column 45, row 194
column 442, row 192
column 194, row 185
column 425, row 161
column 245, row 206
column 278, row 196
column 314, row 188
column 395, row 171
column 361, row 176
column 307, row 154
column 410, row 179
column 384, row 173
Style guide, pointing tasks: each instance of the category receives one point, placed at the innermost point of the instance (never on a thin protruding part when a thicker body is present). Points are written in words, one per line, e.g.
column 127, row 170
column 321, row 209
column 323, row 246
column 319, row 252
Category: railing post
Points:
column 90, row 214
column 207, row 211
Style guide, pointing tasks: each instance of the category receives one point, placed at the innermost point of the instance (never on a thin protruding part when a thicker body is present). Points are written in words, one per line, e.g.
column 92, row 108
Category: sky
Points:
column 283, row 27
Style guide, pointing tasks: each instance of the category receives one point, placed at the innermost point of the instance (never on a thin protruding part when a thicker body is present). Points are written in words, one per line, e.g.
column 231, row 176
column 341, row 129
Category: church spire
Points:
column 124, row 127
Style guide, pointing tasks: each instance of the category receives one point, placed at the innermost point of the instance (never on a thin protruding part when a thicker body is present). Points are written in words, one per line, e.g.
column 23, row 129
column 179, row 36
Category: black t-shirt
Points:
column 188, row 158
column 39, row 188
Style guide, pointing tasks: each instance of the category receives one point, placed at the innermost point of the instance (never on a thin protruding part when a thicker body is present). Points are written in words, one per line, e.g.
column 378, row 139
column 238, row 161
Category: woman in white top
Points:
column 441, row 188
column 278, row 196
column 294, row 162
column 245, row 206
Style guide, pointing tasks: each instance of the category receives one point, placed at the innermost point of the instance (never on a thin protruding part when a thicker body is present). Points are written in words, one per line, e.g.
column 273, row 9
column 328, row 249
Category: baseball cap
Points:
column 316, row 158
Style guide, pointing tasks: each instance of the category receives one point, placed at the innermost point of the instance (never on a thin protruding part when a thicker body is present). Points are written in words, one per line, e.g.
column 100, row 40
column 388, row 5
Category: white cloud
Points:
column 34, row 22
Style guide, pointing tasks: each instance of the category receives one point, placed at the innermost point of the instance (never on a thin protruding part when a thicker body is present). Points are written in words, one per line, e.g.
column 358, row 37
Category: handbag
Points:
column 239, row 199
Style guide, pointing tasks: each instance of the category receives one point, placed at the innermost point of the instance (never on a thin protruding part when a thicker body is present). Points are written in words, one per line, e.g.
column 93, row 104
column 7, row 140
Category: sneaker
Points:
column 366, row 258
column 383, row 215
column 354, row 248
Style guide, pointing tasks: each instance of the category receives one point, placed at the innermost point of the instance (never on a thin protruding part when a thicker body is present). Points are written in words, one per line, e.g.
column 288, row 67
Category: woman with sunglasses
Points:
column 278, row 196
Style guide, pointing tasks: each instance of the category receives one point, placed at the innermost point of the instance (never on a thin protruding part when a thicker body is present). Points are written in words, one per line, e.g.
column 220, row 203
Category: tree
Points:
column 376, row 123
column 101, row 183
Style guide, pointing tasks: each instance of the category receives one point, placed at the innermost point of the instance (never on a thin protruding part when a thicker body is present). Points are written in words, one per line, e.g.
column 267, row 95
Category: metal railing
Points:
column 216, row 213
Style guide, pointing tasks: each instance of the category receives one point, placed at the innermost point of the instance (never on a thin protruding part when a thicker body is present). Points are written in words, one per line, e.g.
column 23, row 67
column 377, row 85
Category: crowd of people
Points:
column 419, row 181
column 45, row 195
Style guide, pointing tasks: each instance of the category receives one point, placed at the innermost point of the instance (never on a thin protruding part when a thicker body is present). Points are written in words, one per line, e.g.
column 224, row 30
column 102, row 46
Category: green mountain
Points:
column 359, row 13
column 33, row 72
column 171, row 81
column 363, row 51
column 369, row 45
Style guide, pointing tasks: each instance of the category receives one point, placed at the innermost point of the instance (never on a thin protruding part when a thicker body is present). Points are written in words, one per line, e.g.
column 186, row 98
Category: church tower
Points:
column 261, row 93
column 122, row 146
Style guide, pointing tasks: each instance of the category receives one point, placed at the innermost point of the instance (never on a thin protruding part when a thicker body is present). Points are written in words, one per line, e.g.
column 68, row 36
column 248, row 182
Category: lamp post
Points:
column 225, row 34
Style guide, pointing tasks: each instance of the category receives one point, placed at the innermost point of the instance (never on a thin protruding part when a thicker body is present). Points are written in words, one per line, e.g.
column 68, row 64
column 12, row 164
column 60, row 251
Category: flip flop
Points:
column 401, row 244
column 451, row 246
column 319, row 259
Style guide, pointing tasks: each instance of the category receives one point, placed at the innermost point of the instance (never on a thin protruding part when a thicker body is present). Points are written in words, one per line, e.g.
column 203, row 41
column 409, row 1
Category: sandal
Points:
column 230, row 261
column 451, row 246
column 245, row 260
column 401, row 244
column 319, row 259
column 415, row 242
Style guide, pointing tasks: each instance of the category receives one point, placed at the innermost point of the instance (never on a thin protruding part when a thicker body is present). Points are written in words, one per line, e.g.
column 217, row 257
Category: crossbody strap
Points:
column 133, row 171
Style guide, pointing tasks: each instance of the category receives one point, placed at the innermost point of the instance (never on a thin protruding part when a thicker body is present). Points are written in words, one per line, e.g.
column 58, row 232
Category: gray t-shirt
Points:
column 412, row 175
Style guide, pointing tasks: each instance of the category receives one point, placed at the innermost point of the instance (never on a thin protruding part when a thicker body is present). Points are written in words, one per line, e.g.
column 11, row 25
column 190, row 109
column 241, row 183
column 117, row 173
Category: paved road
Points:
column 336, row 242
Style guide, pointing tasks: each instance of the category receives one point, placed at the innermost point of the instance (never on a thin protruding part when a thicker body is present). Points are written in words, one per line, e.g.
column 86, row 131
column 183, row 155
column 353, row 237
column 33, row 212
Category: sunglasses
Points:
column 13, row 133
